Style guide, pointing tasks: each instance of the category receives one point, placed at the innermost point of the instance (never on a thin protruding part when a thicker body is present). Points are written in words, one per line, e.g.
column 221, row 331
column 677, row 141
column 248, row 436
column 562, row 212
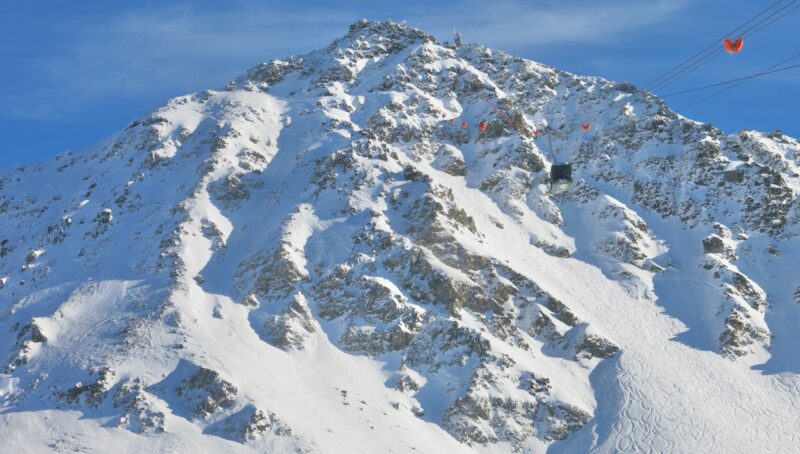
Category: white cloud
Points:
column 515, row 23
column 162, row 53
column 174, row 49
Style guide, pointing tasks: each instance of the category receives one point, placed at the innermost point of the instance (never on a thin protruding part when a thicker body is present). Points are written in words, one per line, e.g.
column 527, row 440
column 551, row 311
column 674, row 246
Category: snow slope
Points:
column 315, row 259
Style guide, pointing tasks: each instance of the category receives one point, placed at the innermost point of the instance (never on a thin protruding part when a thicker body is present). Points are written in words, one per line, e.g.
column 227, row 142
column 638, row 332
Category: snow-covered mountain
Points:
column 316, row 259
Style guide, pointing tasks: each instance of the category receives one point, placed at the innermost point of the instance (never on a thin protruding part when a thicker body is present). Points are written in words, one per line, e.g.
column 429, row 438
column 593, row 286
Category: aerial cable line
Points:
column 746, row 78
column 776, row 19
column 692, row 62
column 743, row 80
column 704, row 55
column 688, row 69
column 711, row 47
column 710, row 96
column 766, row 21
column 751, row 29
column 737, row 82
column 769, row 70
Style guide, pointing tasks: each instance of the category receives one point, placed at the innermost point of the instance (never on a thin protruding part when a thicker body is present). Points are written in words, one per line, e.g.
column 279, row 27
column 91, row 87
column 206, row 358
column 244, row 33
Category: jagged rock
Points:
column 543, row 326
column 713, row 244
column 250, row 424
column 32, row 256
column 407, row 383
column 105, row 216
column 561, row 311
column 552, row 249
column 5, row 247
column 460, row 419
column 206, row 392
column 231, row 191
column 597, row 347
column 140, row 415
column 92, row 394
column 294, row 327
column 451, row 160
column 563, row 419
column 27, row 337
column 741, row 311
column 483, row 415
column 277, row 273
column 457, row 343
column 744, row 286
column 739, row 334
column 373, row 341
column 536, row 385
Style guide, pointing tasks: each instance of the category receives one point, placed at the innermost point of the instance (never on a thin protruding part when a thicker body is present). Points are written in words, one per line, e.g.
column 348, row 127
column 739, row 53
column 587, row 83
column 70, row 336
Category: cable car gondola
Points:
column 560, row 177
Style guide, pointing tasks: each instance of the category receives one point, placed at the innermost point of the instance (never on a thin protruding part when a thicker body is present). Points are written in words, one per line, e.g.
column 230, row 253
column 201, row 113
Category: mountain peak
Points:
column 366, row 41
column 386, row 30
column 366, row 241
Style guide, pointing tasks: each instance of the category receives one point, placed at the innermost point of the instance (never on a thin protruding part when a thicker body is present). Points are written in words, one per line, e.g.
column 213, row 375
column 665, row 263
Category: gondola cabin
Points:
column 560, row 177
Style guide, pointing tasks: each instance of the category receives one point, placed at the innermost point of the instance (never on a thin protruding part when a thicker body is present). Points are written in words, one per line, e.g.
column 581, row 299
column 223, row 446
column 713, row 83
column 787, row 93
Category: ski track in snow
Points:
column 678, row 399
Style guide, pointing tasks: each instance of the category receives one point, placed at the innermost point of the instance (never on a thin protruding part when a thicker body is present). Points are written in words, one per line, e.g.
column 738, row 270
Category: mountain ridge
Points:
column 315, row 249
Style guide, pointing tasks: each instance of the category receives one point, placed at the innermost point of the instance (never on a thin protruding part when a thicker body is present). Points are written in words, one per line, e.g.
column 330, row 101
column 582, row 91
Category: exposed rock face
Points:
column 742, row 307
column 597, row 347
column 317, row 250
column 92, row 394
column 206, row 393
column 139, row 409
column 26, row 342
column 250, row 424
column 293, row 328
column 713, row 245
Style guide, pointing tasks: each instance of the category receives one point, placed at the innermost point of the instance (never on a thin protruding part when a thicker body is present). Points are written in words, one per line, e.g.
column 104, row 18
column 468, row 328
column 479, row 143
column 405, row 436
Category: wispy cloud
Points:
column 515, row 24
column 162, row 52
column 166, row 50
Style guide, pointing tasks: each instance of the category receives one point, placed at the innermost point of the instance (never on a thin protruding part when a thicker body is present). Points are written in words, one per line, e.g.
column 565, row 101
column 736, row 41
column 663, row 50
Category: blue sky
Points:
column 74, row 72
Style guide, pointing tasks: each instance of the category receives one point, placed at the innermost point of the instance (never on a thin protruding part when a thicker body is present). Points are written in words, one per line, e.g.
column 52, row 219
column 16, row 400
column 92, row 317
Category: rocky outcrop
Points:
column 206, row 393
column 294, row 328
column 742, row 310
column 484, row 415
column 250, row 424
column 140, row 413
column 92, row 394
column 28, row 339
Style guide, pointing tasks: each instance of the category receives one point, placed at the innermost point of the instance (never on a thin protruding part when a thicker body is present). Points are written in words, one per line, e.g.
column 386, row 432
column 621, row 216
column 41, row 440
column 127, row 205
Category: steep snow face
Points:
column 316, row 259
